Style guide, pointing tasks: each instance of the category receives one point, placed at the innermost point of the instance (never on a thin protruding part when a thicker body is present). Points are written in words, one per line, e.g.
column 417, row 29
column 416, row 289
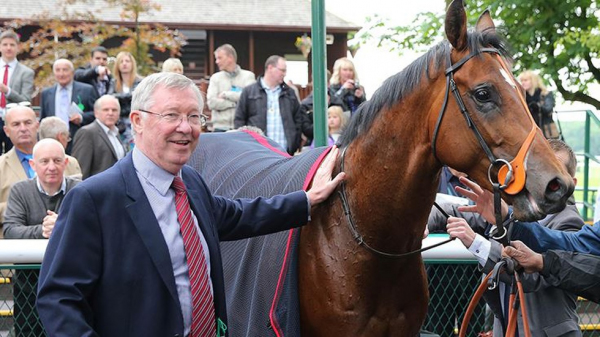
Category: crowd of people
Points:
column 111, row 123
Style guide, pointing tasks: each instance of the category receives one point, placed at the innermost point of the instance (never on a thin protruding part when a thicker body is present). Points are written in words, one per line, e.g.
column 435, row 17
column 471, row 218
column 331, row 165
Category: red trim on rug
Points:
column 264, row 142
column 284, row 267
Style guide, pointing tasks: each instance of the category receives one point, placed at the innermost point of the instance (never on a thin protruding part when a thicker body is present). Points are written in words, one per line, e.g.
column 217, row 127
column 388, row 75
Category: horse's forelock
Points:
column 403, row 83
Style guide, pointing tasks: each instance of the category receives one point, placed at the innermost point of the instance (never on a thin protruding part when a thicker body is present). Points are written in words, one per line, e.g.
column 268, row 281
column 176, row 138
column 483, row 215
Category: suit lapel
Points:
column 201, row 214
column 145, row 222
column 76, row 94
column 105, row 139
column 51, row 101
column 16, row 75
column 15, row 165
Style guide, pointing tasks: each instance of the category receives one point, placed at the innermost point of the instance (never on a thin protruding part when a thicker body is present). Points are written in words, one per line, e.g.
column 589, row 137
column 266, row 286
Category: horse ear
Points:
column 456, row 25
column 485, row 23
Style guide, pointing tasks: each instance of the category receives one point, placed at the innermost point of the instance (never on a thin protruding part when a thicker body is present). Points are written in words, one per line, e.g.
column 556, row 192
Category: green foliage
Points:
column 71, row 34
column 558, row 38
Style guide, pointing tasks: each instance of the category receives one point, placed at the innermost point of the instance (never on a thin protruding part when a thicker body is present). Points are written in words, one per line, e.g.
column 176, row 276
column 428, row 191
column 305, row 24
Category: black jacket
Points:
column 574, row 272
column 252, row 110
column 89, row 75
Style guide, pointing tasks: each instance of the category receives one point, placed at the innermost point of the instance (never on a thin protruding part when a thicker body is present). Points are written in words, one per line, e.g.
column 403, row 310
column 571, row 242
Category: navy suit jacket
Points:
column 82, row 93
column 107, row 269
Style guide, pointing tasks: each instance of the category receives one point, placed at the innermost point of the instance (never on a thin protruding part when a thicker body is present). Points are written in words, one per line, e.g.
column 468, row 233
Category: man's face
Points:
column 224, row 61
column 109, row 111
column 278, row 72
column 21, row 127
column 99, row 59
column 9, row 49
column 63, row 73
column 49, row 164
column 168, row 145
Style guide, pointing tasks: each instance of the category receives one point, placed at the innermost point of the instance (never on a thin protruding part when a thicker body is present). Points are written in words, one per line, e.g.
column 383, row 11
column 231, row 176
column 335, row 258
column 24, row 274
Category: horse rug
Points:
column 260, row 273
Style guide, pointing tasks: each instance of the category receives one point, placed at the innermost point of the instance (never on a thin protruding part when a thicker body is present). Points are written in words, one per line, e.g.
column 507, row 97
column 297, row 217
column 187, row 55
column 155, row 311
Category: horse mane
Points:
column 403, row 83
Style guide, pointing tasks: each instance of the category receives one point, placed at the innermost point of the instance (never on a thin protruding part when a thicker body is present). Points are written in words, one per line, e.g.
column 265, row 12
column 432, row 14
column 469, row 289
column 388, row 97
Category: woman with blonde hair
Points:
column 345, row 86
column 125, row 80
column 539, row 100
column 172, row 65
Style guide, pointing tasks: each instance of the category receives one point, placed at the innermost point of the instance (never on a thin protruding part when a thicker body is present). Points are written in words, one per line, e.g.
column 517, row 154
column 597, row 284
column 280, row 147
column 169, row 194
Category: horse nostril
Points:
column 554, row 185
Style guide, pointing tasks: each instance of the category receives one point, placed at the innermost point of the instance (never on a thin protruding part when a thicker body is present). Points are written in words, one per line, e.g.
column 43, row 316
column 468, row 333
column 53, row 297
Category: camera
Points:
column 356, row 85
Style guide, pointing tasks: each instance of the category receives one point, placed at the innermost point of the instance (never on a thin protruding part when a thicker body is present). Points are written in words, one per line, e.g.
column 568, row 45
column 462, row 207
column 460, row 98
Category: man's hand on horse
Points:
column 483, row 199
column 323, row 184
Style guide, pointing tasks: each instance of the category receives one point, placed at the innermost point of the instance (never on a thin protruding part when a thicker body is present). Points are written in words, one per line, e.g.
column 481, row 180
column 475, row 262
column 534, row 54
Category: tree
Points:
column 71, row 34
column 558, row 38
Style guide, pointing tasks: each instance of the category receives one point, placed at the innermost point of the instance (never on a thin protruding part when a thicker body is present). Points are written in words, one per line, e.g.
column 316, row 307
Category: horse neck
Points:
column 392, row 176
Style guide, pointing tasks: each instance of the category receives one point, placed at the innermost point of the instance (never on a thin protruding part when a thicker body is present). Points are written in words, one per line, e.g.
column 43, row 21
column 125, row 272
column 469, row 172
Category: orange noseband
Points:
column 515, row 181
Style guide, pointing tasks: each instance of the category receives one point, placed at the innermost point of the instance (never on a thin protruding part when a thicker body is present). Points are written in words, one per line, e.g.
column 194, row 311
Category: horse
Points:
column 456, row 105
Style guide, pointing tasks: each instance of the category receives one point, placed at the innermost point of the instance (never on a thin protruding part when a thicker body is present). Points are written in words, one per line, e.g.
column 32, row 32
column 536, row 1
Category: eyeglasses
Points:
column 175, row 119
column 283, row 70
column 14, row 105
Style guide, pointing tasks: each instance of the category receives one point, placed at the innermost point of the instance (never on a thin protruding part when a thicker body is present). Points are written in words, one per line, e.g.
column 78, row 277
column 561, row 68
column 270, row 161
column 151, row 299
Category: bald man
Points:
column 97, row 146
column 31, row 211
column 21, row 127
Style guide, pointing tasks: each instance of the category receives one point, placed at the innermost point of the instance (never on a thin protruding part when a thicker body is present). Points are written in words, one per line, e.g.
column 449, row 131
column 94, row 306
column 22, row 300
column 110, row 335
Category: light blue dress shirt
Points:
column 156, row 183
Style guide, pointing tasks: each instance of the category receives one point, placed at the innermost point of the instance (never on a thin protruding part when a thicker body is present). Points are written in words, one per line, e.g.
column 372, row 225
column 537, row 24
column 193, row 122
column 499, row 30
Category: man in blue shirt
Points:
column 148, row 255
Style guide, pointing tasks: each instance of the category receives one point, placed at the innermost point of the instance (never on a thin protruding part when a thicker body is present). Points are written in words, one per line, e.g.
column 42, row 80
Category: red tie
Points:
column 203, row 309
column 5, row 82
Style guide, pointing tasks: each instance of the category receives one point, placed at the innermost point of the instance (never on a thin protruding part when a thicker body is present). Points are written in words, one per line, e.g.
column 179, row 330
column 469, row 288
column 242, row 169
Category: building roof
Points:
column 202, row 14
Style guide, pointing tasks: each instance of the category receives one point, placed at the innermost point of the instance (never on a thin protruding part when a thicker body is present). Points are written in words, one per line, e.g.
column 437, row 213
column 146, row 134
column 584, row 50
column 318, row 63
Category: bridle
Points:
column 511, row 173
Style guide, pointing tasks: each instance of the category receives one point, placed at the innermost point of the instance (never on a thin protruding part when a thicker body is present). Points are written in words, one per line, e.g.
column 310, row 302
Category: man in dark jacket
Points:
column 272, row 106
column 570, row 271
column 97, row 73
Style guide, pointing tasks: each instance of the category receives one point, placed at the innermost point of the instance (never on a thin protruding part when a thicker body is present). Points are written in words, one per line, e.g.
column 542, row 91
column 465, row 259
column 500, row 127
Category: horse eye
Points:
column 483, row 95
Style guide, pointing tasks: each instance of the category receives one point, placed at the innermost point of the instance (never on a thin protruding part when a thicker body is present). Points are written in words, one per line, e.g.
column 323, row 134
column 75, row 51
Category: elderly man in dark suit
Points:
column 70, row 100
column 133, row 253
column 16, row 80
column 97, row 146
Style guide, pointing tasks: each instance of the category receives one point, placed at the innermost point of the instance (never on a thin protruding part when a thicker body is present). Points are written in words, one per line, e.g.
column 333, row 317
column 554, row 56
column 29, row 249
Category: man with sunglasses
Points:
column 16, row 81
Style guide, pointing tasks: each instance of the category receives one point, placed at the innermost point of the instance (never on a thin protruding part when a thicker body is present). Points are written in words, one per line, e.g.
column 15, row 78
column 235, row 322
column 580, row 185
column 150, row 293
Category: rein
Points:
column 360, row 239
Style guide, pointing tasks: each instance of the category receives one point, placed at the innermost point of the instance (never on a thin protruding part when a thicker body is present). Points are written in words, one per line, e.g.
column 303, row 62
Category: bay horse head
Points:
column 492, row 103
column 457, row 105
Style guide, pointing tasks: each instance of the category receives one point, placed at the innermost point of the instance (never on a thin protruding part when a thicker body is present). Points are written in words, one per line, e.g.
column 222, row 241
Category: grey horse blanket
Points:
column 260, row 273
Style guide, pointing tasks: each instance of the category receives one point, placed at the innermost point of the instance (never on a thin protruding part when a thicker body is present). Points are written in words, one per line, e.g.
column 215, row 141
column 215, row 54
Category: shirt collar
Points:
column 154, row 175
column 113, row 131
column 69, row 86
column 264, row 85
column 12, row 64
column 63, row 187
column 234, row 72
column 22, row 155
